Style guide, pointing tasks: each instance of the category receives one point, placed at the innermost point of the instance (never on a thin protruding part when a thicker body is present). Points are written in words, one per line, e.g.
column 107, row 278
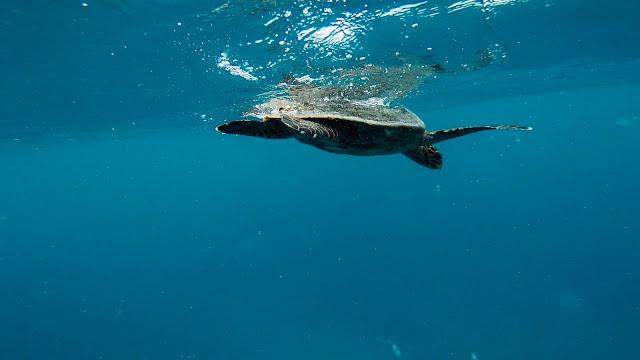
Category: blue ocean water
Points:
column 131, row 229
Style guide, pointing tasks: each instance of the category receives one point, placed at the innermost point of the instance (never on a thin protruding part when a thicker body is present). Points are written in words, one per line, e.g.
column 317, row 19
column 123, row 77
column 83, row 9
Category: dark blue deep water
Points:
column 131, row 229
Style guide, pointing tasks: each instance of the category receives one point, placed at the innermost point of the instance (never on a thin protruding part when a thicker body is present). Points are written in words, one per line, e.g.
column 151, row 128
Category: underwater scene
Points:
column 320, row 179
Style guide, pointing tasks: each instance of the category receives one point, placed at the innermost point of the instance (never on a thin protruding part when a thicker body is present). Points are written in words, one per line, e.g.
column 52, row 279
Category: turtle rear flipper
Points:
column 442, row 135
column 267, row 130
column 426, row 155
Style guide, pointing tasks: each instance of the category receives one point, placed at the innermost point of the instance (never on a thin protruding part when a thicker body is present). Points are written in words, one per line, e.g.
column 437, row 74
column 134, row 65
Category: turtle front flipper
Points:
column 442, row 135
column 426, row 155
column 309, row 128
column 263, row 129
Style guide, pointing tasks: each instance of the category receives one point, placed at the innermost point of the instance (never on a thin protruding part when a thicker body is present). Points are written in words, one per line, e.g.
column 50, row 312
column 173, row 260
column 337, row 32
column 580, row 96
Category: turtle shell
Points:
column 368, row 113
column 356, row 129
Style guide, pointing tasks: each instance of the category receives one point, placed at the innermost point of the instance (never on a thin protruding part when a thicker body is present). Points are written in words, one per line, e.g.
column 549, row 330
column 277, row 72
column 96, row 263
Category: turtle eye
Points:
column 280, row 109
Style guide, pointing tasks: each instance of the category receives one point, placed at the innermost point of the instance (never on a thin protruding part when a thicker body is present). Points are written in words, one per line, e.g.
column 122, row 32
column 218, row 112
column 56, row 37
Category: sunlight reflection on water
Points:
column 311, row 33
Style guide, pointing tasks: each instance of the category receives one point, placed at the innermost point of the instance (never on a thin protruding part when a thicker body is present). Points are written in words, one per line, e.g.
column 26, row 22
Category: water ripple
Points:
column 306, row 37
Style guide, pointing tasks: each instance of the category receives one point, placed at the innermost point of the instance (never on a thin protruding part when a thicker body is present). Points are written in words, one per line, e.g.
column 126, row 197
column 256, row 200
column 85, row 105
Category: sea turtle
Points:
column 353, row 128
